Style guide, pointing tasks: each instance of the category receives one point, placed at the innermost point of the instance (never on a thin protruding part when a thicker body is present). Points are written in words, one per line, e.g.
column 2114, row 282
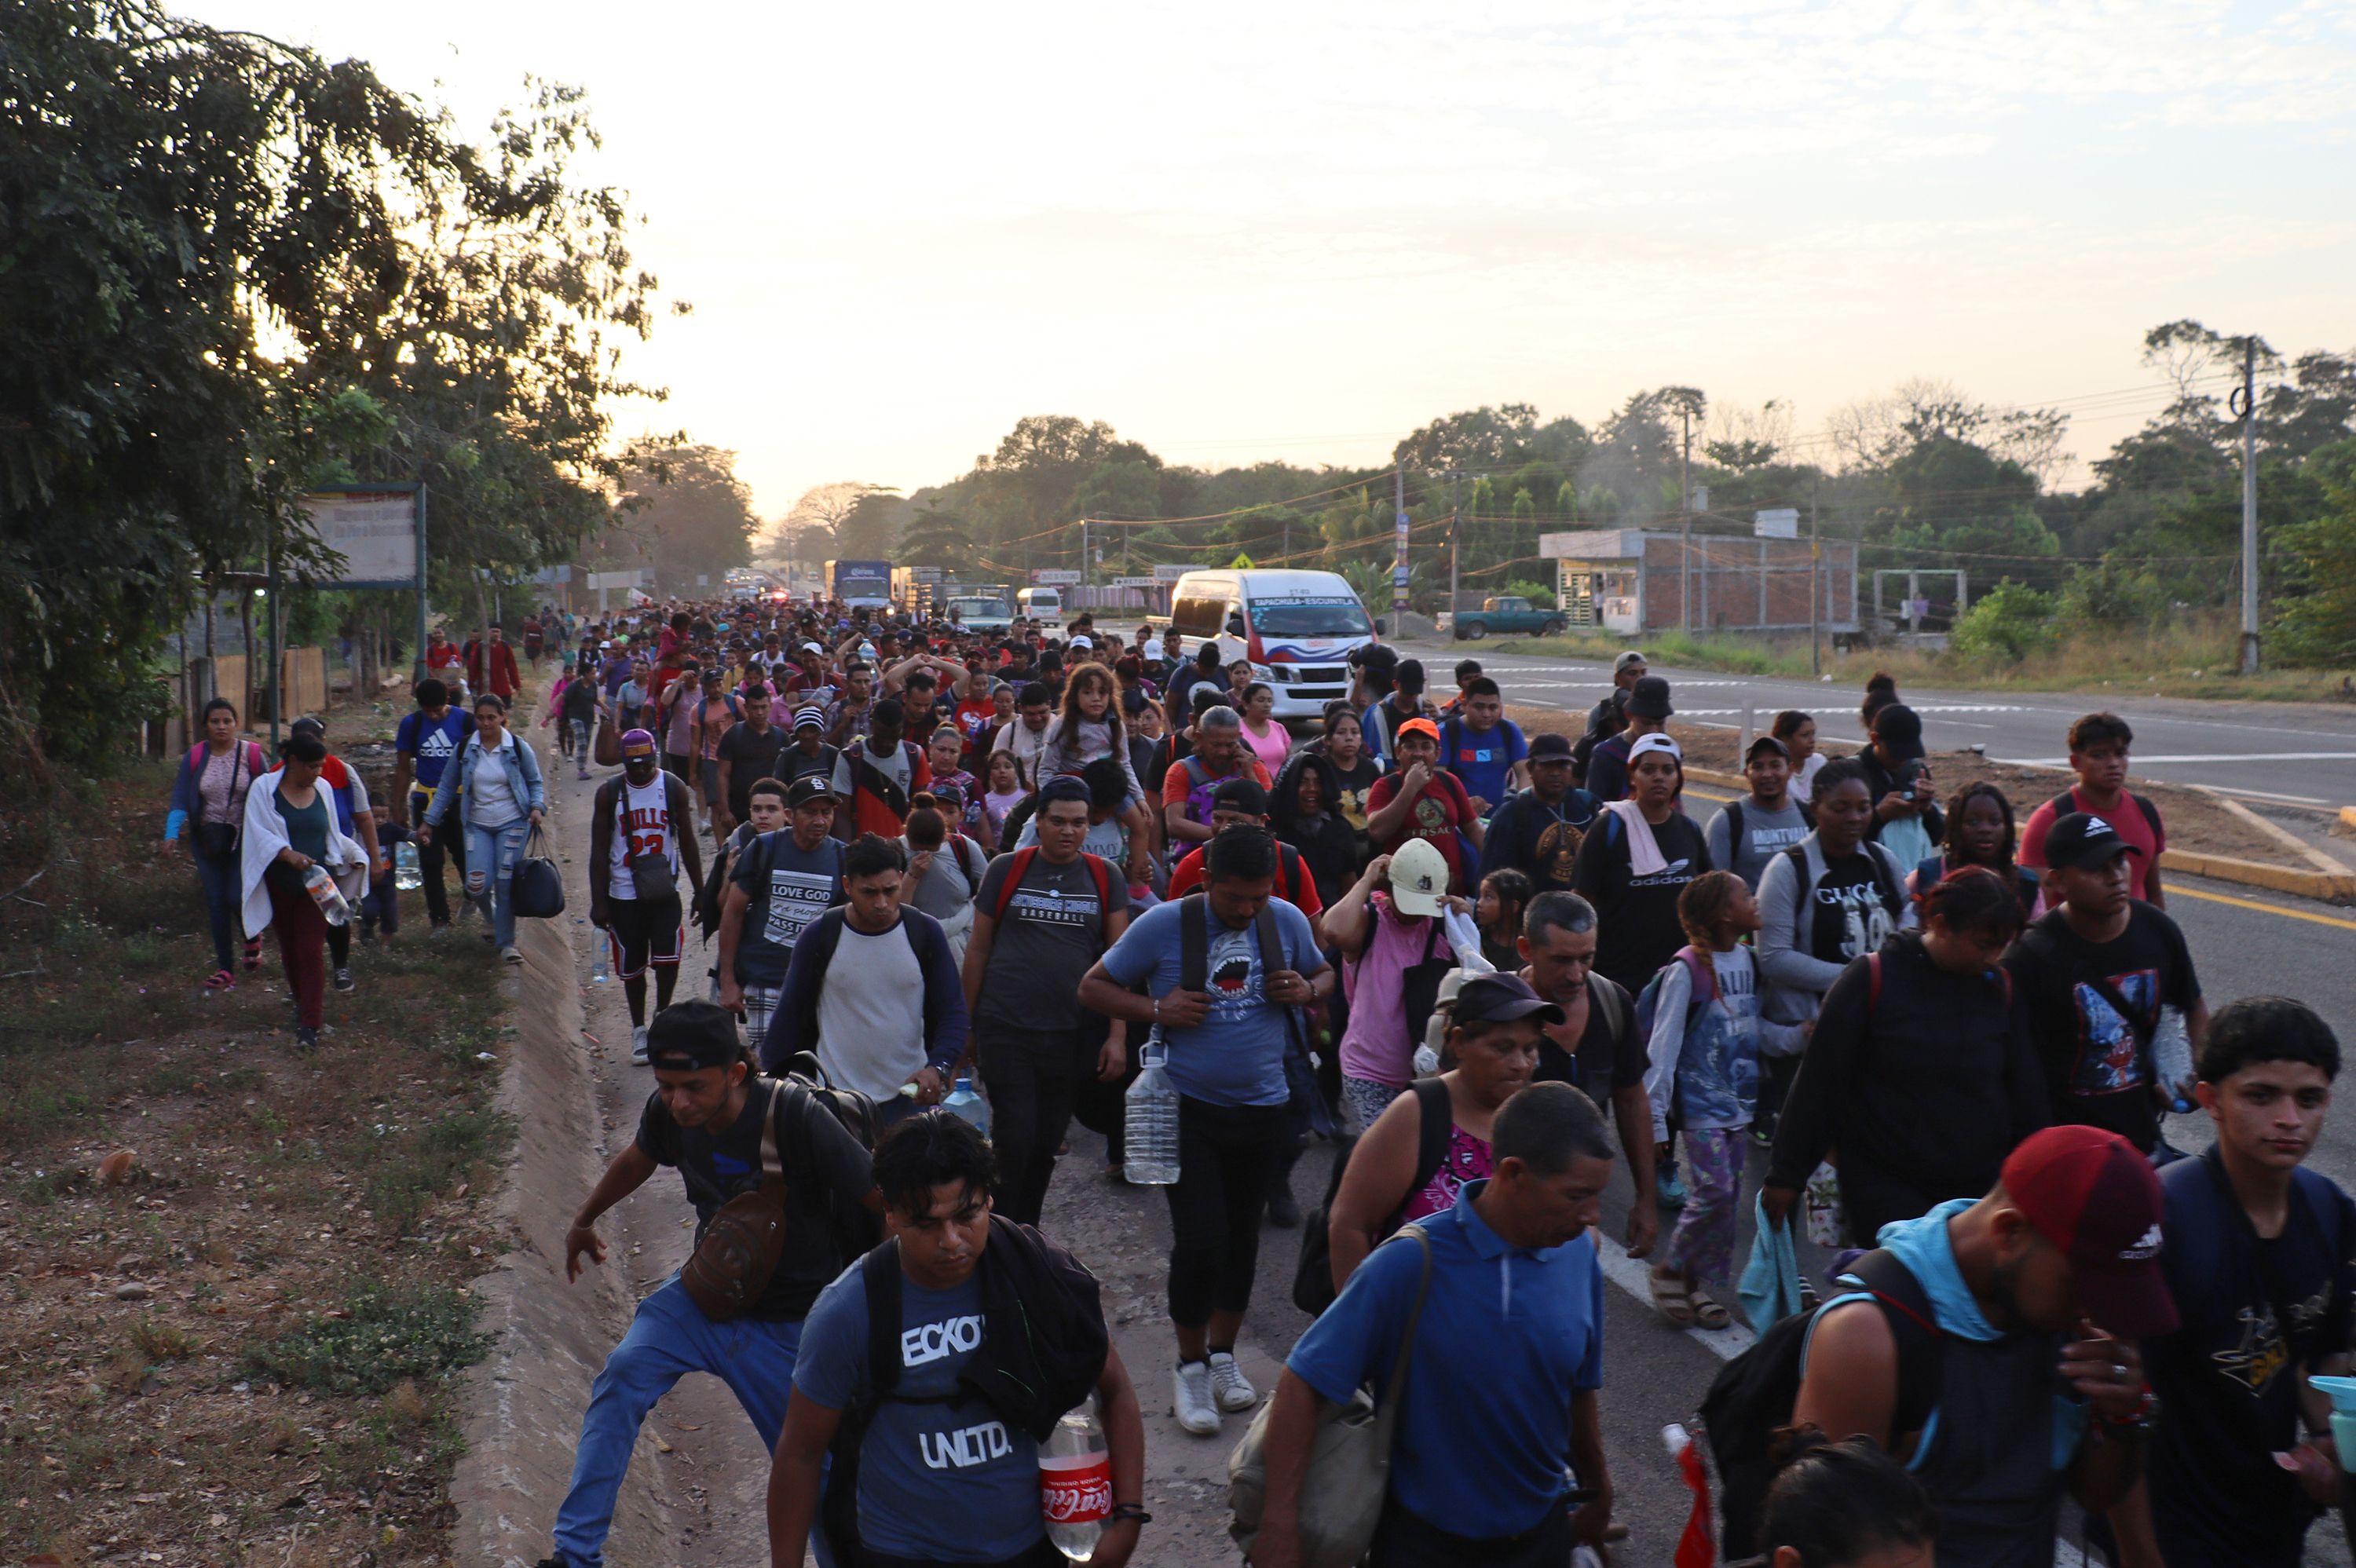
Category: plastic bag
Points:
column 1827, row 1221
column 1465, row 938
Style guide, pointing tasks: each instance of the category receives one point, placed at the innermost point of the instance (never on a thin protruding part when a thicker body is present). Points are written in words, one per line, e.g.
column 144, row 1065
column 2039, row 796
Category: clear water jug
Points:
column 1149, row 1120
column 327, row 895
column 970, row 1106
column 406, row 874
column 1076, row 1483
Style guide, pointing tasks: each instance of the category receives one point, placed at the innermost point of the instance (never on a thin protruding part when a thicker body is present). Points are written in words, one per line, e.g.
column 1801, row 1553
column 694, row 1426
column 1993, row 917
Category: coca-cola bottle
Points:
column 1076, row 1483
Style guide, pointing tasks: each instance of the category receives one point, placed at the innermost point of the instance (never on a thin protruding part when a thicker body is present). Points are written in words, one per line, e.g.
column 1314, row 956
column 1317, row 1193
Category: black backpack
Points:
column 1312, row 1276
column 1752, row 1397
column 855, row 1228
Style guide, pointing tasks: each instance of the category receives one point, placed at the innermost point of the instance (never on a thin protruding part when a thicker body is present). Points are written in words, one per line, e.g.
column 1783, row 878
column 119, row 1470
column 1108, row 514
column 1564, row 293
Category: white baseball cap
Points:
column 1419, row 878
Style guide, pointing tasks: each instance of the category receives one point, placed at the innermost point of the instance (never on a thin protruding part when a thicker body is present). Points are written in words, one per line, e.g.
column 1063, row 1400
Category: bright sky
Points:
column 1298, row 230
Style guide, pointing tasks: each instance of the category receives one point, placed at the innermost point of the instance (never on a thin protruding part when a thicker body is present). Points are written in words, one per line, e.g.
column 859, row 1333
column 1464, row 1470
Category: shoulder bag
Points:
column 732, row 1265
column 537, row 891
column 1349, row 1468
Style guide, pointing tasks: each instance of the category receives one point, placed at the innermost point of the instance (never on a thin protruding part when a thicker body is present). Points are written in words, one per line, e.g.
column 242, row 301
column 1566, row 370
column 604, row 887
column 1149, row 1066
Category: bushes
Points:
column 2316, row 623
column 380, row 1338
column 2010, row 622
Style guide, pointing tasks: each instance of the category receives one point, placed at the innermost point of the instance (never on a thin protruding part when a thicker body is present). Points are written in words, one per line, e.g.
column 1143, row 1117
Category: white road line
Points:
column 2138, row 759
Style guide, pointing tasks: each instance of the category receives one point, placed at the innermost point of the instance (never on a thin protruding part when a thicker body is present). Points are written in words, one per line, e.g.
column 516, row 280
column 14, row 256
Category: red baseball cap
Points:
column 2092, row 1195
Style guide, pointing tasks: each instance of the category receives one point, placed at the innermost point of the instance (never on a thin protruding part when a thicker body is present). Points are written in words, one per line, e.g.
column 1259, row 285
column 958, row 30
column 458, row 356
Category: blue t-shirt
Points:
column 940, row 1482
column 1483, row 760
column 1236, row 1056
column 1507, row 1337
column 433, row 743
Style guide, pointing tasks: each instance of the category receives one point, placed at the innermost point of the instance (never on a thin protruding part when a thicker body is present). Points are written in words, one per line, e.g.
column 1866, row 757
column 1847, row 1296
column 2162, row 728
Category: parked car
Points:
column 1509, row 617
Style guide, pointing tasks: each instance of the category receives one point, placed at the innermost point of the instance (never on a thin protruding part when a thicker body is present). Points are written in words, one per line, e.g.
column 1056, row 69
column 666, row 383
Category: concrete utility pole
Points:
column 2249, row 412
column 1815, row 580
column 1398, row 551
column 1455, row 539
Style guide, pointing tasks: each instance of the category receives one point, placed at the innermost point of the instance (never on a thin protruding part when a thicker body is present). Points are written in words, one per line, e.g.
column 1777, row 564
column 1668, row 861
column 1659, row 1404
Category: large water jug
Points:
column 406, row 874
column 327, row 895
column 1149, row 1122
column 967, row 1105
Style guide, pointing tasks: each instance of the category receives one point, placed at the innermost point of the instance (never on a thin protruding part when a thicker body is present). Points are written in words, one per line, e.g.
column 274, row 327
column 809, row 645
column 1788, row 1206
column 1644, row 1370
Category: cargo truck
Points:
column 860, row 583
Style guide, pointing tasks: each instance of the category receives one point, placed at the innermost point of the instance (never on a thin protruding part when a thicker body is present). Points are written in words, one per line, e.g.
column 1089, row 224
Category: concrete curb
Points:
column 521, row 1405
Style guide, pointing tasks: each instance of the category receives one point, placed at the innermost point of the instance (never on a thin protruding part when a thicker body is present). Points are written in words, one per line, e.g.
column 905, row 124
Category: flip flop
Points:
column 221, row 980
column 1709, row 1313
column 1672, row 1299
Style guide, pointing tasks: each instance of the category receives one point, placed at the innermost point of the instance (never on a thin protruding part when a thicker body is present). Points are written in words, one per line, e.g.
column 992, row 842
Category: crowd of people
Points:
column 1483, row 968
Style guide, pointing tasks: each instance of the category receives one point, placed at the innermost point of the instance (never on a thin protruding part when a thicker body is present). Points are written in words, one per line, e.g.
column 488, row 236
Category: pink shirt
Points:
column 1376, row 1046
column 1270, row 748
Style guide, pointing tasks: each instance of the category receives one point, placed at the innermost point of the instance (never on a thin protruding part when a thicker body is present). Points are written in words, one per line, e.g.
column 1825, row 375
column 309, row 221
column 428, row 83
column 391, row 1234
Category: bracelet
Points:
column 2139, row 1419
column 1135, row 1511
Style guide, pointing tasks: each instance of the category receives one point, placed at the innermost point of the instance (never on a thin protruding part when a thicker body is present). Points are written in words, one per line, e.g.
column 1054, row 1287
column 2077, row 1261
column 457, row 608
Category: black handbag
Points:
column 217, row 839
column 536, row 888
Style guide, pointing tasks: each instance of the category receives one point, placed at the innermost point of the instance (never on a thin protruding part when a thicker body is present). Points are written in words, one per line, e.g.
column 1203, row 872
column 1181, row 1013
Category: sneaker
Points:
column 344, row 979
column 638, row 1046
column 1672, row 1191
column 306, row 1039
column 1283, row 1208
column 511, row 954
column 1228, row 1384
column 1192, row 1398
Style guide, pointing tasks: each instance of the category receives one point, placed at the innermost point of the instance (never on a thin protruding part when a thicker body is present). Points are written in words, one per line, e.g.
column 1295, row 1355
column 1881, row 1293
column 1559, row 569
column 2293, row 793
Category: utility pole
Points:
column 277, row 658
column 1816, row 578
column 1399, row 551
column 1685, row 505
column 2249, row 412
column 1455, row 539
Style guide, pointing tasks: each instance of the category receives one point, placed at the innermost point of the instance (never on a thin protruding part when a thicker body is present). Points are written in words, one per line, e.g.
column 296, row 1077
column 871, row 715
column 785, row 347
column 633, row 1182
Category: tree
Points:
column 1027, row 489
column 698, row 514
column 1484, row 437
column 812, row 528
column 936, row 539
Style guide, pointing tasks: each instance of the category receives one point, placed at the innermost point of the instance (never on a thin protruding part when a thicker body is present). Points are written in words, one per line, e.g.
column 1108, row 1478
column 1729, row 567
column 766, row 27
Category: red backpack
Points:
column 1022, row 857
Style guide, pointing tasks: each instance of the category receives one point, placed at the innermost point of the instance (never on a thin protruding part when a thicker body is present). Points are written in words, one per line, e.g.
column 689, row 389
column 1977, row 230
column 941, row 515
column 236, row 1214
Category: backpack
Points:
column 1312, row 1275
column 1023, row 858
column 2067, row 802
column 854, row 1228
column 1887, row 880
column 1704, row 981
column 1194, row 974
column 1201, row 786
column 1752, row 1395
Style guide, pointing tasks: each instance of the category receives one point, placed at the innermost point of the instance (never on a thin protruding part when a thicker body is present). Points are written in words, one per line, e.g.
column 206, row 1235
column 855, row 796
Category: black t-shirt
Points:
column 580, row 700
column 1857, row 908
column 2098, row 1067
column 751, row 758
column 821, row 1160
column 2254, row 1312
column 1638, row 929
column 795, row 762
column 1599, row 1064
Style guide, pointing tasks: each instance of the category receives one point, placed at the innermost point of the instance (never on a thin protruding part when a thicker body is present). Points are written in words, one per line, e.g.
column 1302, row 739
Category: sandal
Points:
column 1672, row 1298
column 221, row 980
column 1707, row 1312
column 253, row 957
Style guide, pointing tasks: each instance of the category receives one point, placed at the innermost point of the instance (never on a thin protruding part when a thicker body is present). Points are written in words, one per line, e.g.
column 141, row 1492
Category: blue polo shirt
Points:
column 1507, row 1336
column 1483, row 760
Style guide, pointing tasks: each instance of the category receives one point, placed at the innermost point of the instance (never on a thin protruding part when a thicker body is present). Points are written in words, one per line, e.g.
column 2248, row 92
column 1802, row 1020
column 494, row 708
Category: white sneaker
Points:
column 638, row 1046
column 1233, row 1390
column 1192, row 1398
column 513, row 956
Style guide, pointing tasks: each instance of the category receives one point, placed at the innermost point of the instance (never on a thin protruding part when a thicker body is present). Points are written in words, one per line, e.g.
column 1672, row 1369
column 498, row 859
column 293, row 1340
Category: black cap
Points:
column 1409, row 676
column 1064, row 786
column 2082, row 841
column 807, row 788
column 1900, row 728
column 1648, row 698
column 687, row 1037
column 1768, row 743
column 1549, row 745
column 1502, row 996
column 1241, row 794
column 1375, row 656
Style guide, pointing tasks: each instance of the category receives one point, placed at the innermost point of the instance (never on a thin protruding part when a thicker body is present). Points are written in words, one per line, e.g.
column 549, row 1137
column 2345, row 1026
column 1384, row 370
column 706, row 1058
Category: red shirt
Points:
column 1441, row 811
column 2147, row 834
column 500, row 678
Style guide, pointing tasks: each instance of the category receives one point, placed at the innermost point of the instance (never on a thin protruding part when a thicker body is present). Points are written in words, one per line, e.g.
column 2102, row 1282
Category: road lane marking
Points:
column 2200, row 756
column 2175, row 886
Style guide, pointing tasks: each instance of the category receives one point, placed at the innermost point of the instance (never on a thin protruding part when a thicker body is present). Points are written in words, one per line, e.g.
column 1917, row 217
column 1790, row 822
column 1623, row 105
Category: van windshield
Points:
column 1309, row 616
column 1045, row 599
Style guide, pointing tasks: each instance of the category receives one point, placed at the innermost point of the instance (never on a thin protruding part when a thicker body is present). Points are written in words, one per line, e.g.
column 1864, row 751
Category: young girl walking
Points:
column 1705, row 1043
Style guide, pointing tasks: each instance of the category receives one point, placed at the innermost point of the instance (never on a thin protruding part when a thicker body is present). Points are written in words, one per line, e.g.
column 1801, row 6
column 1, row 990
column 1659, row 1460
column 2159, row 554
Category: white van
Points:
column 1297, row 629
column 1040, row 604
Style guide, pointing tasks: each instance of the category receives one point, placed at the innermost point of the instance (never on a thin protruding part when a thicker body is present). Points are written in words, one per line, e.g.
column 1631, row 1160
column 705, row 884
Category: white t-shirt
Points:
column 644, row 829
column 494, row 802
column 871, row 1011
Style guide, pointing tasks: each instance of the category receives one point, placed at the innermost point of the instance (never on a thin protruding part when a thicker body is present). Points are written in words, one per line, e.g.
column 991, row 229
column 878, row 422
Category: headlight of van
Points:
column 1263, row 672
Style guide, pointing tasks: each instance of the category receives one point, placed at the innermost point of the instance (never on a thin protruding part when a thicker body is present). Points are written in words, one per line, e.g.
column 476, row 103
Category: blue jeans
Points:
column 491, row 854
column 670, row 1338
column 219, row 879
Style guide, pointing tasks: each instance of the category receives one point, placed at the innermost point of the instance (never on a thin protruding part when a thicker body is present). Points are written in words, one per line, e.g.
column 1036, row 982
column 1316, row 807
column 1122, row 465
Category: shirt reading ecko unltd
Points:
column 940, row 1480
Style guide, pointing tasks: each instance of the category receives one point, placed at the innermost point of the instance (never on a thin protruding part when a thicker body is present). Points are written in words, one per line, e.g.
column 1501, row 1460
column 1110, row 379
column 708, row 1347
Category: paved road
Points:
column 2302, row 754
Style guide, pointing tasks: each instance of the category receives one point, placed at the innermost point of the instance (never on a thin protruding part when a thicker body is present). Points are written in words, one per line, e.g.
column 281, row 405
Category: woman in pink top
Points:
column 1393, row 955
column 1270, row 741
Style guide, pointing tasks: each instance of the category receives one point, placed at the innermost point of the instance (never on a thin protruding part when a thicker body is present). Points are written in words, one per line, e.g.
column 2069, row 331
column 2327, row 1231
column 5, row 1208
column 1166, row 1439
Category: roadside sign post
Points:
column 378, row 531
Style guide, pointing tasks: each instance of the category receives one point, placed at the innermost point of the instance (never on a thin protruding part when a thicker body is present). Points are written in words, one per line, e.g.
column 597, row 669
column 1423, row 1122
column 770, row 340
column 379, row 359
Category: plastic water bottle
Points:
column 327, row 895
column 406, row 874
column 967, row 1105
column 2171, row 1057
column 602, row 970
column 1076, row 1483
column 1149, row 1120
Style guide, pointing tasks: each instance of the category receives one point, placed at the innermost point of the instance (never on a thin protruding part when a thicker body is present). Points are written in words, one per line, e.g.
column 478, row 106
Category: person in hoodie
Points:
column 1705, row 1048
column 1824, row 903
column 1921, row 1068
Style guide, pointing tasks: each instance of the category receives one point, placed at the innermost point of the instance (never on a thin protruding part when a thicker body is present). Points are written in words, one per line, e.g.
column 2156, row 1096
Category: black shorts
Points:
column 641, row 933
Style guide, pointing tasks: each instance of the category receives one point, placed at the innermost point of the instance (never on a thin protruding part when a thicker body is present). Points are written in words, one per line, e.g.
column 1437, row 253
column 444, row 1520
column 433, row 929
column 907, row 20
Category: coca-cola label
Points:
column 1075, row 1488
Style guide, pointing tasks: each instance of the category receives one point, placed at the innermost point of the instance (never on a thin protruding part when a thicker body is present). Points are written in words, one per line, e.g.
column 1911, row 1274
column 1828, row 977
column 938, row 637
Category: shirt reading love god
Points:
column 941, row 1480
column 1507, row 1337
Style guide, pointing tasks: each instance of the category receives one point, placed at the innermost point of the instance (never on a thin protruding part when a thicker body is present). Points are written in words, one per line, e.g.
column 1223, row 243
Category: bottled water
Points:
column 1076, row 1483
column 406, row 875
column 2172, row 1058
column 967, row 1105
column 602, row 970
column 327, row 895
column 1149, row 1122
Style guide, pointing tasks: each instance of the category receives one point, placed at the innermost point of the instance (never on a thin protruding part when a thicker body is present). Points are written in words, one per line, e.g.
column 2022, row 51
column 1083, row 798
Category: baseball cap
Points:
column 1900, row 728
column 812, row 648
column 637, row 744
column 811, row 717
column 1080, row 643
column 1409, row 676
column 1649, row 698
column 1241, row 794
column 1630, row 658
column 688, row 1036
column 1500, row 997
column 1419, row 878
column 1768, row 743
column 1646, row 744
column 1064, row 786
column 2082, row 841
column 807, row 788
column 1549, row 745
column 1420, row 727
column 2092, row 1195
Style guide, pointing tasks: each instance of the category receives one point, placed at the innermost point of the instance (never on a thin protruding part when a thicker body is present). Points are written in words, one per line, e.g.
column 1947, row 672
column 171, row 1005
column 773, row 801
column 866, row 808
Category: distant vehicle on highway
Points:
column 1508, row 615
column 861, row 584
column 982, row 613
column 1041, row 604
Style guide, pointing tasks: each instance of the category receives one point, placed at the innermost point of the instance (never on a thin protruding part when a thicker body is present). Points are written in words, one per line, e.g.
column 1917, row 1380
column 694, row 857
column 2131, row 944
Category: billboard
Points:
column 378, row 532
column 1055, row 579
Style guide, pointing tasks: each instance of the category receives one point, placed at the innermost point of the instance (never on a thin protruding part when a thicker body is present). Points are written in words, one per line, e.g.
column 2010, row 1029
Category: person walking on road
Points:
column 501, row 800
column 1537, row 831
column 782, row 881
column 348, row 794
column 2099, row 744
column 491, row 667
column 290, row 827
column 422, row 749
column 717, row 1124
column 1226, row 1044
column 1498, row 1426
column 207, row 809
column 641, row 833
column 1747, row 834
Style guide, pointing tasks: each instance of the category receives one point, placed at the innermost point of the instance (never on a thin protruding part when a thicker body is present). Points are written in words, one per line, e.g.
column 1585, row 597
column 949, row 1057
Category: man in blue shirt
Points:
column 422, row 748
column 1508, row 1351
column 1483, row 748
column 1226, row 972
